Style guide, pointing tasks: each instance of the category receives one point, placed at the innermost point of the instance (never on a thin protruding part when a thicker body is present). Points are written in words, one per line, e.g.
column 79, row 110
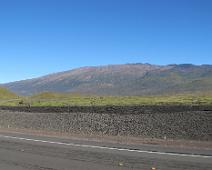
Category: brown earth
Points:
column 129, row 140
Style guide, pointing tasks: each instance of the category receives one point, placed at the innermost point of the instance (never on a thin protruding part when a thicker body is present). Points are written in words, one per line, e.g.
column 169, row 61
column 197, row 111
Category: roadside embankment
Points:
column 168, row 121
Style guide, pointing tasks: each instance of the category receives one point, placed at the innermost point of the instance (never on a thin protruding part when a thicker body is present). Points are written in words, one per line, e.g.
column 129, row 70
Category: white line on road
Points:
column 108, row 148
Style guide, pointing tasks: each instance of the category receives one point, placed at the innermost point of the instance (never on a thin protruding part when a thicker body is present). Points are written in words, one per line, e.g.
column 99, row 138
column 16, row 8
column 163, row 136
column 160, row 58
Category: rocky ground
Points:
column 162, row 122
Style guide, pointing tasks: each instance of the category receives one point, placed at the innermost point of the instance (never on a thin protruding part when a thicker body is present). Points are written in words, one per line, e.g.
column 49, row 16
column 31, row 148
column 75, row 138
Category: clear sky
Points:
column 38, row 37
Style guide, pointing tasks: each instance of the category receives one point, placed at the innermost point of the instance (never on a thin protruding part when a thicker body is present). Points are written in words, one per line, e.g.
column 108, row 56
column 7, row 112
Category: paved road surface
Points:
column 30, row 152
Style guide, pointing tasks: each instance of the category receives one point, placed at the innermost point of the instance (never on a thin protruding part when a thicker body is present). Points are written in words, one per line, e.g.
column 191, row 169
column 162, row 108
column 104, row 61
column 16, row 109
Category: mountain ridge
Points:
column 121, row 79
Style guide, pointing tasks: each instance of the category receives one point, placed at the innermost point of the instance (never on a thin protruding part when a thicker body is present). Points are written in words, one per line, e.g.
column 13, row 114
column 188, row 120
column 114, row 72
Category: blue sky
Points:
column 38, row 37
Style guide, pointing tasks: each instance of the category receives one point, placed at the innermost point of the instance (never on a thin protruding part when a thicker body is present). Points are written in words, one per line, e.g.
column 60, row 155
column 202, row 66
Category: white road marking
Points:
column 108, row 148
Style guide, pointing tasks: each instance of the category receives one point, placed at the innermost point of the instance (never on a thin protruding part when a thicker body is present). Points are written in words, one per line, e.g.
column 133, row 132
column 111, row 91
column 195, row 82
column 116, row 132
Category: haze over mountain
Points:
column 126, row 79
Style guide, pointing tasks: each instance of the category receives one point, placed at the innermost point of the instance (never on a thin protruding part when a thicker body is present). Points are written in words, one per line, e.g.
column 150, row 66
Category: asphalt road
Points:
column 30, row 152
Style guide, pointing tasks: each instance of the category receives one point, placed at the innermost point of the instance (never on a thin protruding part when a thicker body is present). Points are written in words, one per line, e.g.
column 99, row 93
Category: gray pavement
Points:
column 30, row 152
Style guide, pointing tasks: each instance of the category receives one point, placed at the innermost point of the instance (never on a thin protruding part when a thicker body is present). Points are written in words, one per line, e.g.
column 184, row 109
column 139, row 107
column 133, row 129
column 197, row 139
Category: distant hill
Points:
column 126, row 79
column 6, row 94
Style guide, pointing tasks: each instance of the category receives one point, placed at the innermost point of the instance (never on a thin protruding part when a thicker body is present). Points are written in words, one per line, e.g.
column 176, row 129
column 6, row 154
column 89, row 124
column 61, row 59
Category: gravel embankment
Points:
column 171, row 122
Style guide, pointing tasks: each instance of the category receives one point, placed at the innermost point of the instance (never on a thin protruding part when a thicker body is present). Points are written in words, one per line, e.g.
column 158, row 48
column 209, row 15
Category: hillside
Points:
column 127, row 79
column 6, row 94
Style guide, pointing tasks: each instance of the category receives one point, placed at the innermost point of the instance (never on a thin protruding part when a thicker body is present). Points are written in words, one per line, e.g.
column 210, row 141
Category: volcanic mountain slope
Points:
column 126, row 79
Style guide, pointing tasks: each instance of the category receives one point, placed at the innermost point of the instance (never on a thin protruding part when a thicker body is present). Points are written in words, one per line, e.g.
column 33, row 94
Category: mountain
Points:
column 126, row 79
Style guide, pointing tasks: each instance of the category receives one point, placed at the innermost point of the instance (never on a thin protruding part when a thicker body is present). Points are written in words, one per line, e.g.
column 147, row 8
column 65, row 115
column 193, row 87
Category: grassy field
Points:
column 63, row 99
column 6, row 94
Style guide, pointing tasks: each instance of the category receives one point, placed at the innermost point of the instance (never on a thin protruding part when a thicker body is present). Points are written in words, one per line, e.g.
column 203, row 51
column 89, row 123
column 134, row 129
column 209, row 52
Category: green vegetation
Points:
column 65, row 99
column 7, row 97
column 6, row 94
